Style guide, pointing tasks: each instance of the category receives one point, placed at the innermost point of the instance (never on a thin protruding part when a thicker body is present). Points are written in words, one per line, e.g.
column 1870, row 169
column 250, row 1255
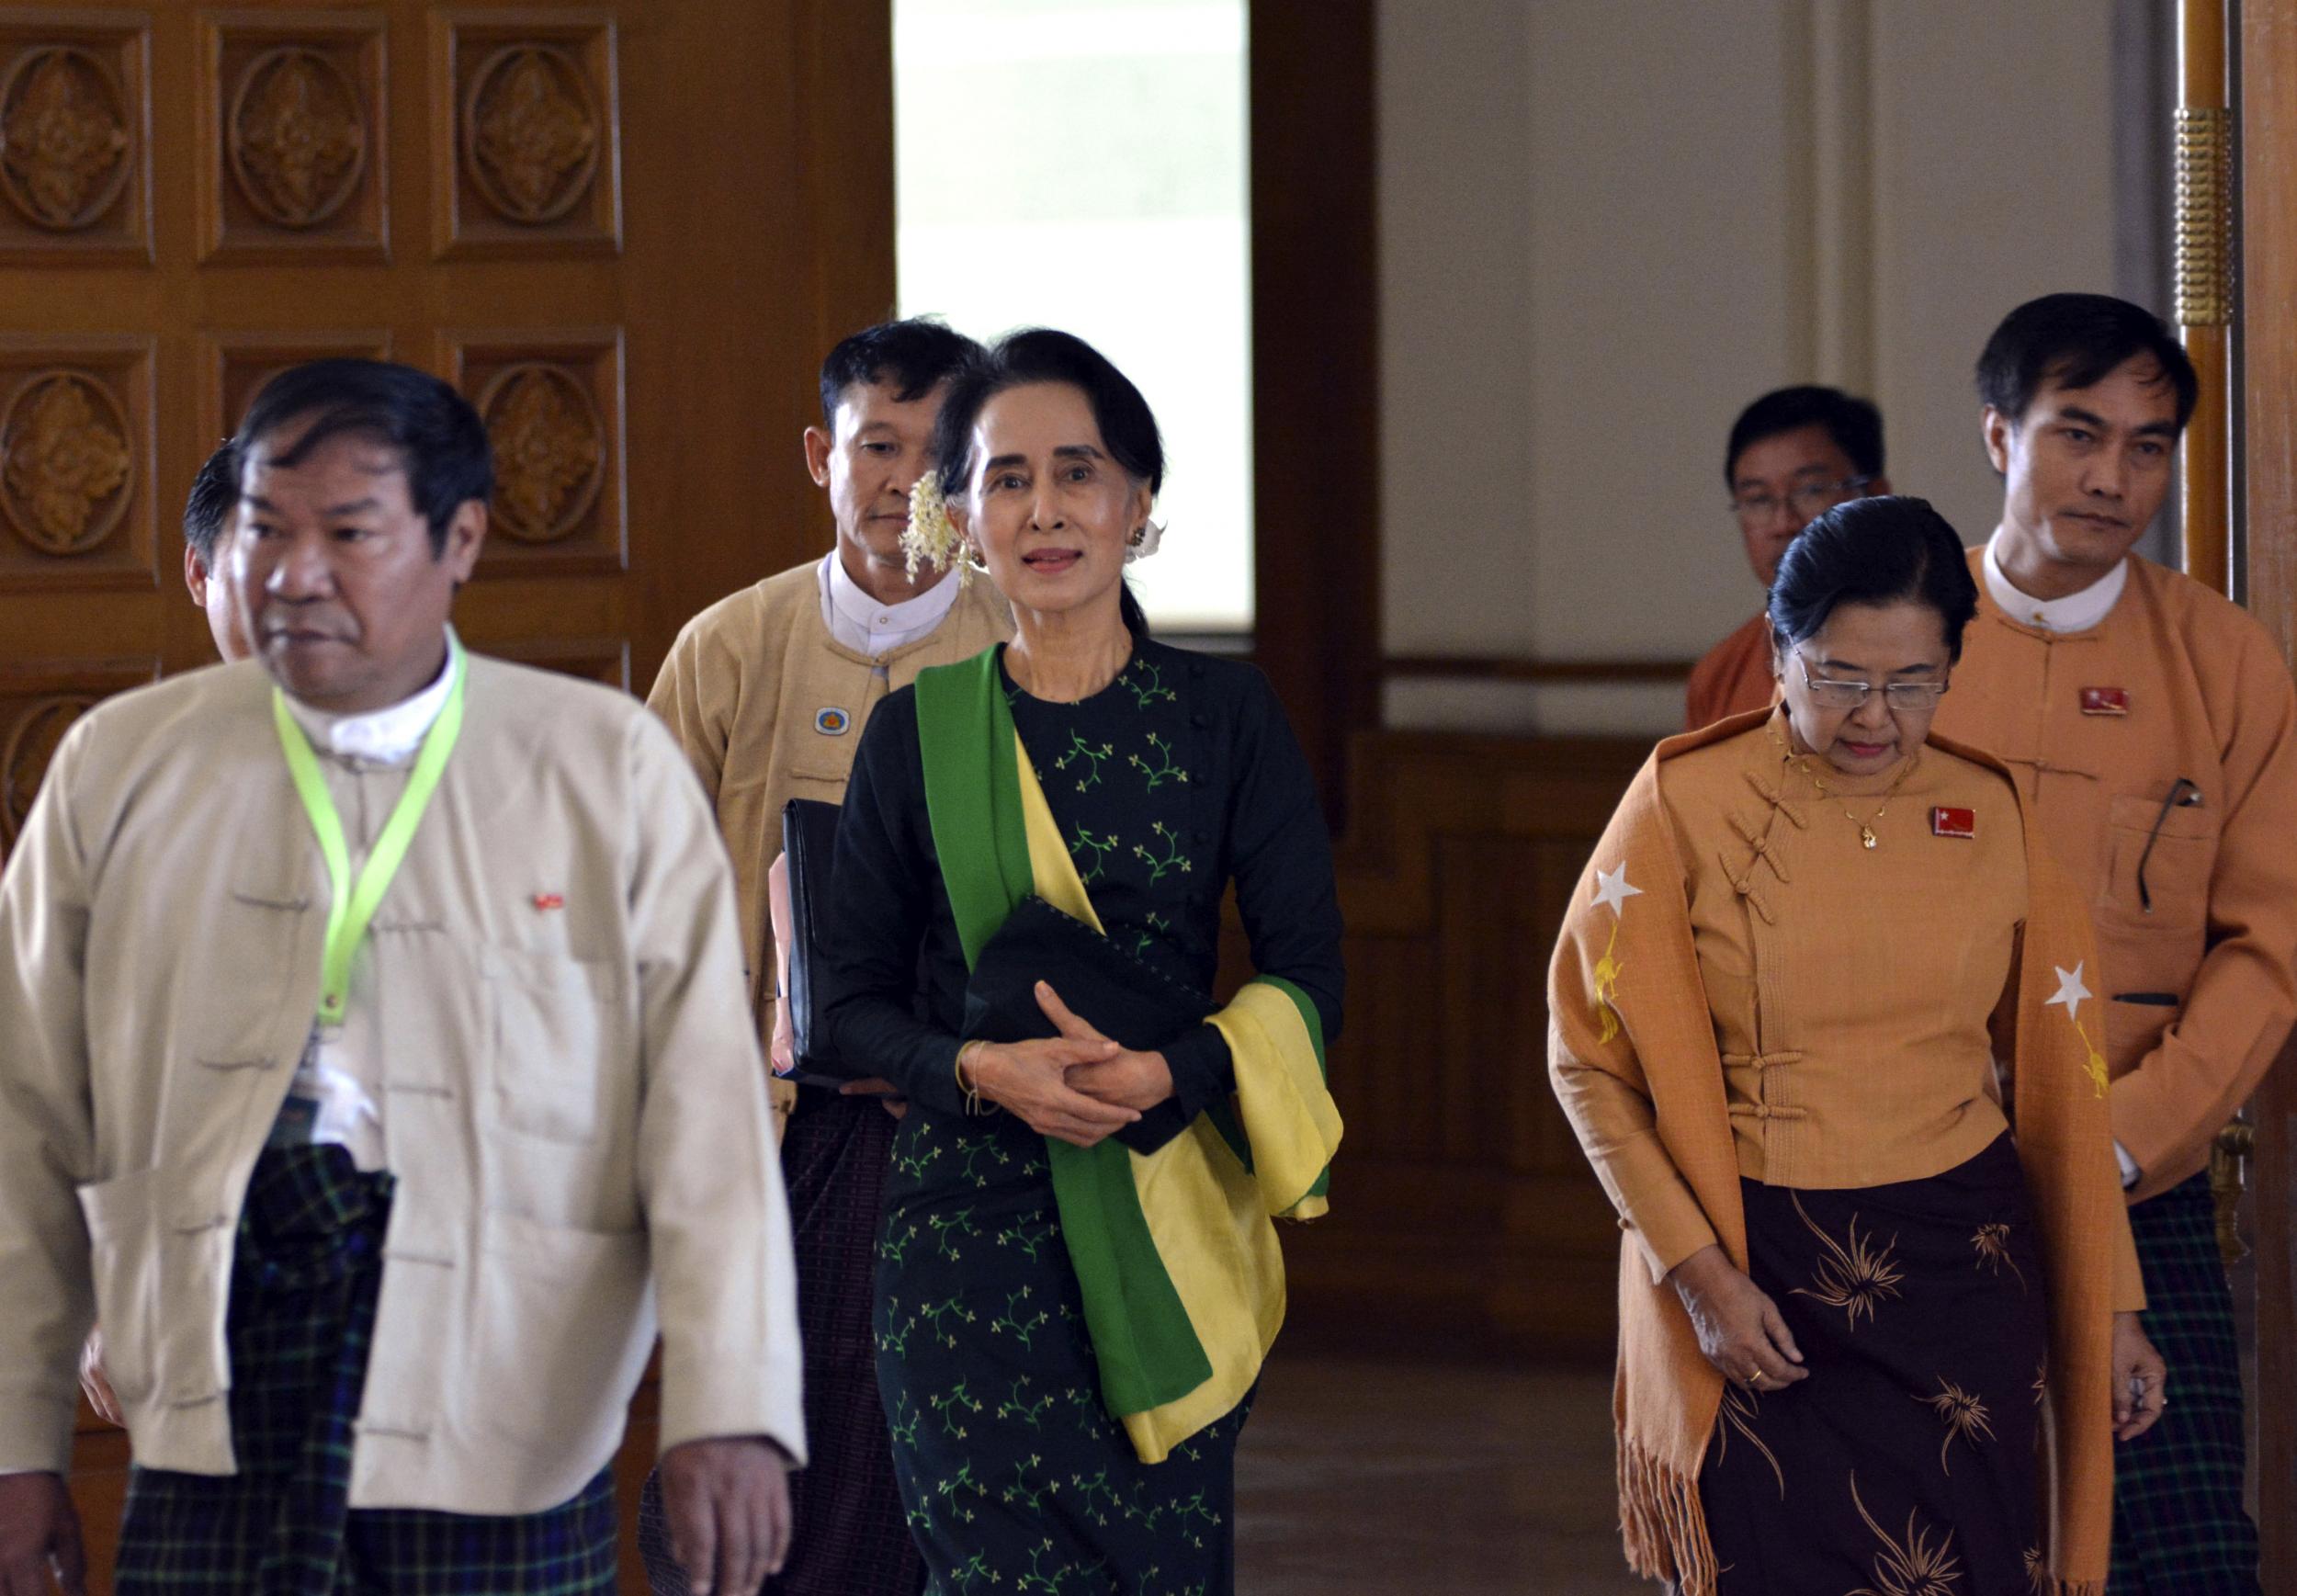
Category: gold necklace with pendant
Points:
column 1867, row 839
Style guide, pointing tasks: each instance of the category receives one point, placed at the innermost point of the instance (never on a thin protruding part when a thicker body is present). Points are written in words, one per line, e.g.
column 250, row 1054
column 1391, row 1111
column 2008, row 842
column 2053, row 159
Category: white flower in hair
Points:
column 1145, row 542
column 931, row 536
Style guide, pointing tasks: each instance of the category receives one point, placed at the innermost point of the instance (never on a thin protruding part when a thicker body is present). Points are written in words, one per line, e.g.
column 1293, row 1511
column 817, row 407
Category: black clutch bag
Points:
column 809, row 843
column 1124, row 999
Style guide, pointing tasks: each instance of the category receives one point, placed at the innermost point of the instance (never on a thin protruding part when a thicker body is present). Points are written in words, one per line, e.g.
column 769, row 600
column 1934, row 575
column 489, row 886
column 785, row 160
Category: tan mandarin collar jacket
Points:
column 2201, row 987
column 1856, row 1047
column 1634, row 1057
column 745, row 691
column 570, row 1091
column 1733, row 678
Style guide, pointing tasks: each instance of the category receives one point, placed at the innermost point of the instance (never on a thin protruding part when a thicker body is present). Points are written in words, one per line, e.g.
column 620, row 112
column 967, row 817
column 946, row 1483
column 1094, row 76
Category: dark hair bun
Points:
column 1890, row 550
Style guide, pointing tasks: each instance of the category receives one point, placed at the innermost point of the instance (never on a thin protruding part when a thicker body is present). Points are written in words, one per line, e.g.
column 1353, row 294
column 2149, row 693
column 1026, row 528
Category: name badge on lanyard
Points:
column 351, row 904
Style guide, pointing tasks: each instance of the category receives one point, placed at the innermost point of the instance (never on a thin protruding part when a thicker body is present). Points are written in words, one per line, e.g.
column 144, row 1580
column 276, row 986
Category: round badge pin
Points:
column 832, row 722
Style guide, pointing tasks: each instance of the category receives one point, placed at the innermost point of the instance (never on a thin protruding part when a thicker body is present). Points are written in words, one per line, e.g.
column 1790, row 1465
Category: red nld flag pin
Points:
column 1946, row 823
column 549, row 900
column 2105, row 700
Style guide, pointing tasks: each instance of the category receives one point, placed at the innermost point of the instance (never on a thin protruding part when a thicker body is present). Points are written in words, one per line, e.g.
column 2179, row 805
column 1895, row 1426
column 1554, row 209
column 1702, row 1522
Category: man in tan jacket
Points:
column 768, row 691
column 377, row 1064
column 2154, row 727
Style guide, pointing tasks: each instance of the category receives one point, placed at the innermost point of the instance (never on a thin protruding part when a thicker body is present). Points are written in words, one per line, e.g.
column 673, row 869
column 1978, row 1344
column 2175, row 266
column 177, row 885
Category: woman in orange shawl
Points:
column 1821, row 1020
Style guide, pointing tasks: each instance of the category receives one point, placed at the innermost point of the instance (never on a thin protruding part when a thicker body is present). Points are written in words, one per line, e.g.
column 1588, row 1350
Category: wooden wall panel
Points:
column 1316, row 416
column 606, row 661
column 297, row 148
column 38, row 702
column 1460, row 1199
column 76, row 462
column 75, row 133
column 552, row 404
column 528, row 157
column 631, row 231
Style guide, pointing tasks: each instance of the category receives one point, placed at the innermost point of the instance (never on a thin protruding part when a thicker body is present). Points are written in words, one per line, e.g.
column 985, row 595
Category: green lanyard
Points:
column 351, row 906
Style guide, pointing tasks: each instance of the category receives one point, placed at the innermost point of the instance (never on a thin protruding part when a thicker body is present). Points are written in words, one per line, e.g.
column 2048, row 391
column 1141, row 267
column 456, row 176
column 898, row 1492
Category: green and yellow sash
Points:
column 1183, row 1280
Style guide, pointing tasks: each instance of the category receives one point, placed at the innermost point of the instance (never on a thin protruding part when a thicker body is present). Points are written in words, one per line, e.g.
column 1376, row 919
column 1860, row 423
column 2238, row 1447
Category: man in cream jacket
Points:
column 377, row 1063
column 768, row 691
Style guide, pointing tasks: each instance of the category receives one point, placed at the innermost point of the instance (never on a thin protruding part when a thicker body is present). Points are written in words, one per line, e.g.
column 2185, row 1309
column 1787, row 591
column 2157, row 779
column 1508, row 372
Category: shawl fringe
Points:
column 1665, row 1529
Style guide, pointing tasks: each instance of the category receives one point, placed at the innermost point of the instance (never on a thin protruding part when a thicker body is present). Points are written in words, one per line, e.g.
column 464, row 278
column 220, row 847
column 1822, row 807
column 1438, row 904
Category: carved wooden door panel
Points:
column 628, row 231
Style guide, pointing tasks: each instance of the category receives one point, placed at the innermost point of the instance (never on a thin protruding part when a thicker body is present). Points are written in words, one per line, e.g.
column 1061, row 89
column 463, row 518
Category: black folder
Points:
column 809, row 842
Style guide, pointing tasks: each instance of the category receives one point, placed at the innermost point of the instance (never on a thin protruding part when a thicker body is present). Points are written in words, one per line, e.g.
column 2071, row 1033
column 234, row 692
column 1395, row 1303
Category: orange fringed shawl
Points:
column 1652, row 1031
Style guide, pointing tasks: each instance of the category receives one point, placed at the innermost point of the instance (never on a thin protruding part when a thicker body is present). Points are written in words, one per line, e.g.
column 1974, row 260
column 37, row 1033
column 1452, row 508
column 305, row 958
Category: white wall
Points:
column 1081, row 164
column 1606, row 227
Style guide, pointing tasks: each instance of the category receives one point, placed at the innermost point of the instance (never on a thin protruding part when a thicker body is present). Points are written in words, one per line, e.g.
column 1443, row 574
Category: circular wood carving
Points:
column 530, row 132
column 64, row 146
column 66, row 472
column 297, row 137
column 31, row 743
column 550, row 450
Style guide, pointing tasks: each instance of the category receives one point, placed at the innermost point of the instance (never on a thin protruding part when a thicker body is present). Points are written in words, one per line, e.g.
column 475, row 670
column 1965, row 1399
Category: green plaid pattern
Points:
column 2180, row 1528
column 307, row 1270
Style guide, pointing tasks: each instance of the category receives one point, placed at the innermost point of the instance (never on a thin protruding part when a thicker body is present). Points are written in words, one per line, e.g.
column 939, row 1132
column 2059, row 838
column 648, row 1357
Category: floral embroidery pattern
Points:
column 1146, row 682
column 1084, row 843
column 1164, row 770
column 1741, row 1408
column 1004, row 1444
column 1965, row 1416
column 1085, row 758
column 1992, row 1245
column 1912, row 1567
column 1857, row 1277
column 1159, row 868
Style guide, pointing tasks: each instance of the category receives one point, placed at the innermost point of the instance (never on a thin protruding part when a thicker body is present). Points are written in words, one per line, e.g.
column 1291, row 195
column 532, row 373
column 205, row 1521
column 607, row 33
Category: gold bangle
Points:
column 973, row 1104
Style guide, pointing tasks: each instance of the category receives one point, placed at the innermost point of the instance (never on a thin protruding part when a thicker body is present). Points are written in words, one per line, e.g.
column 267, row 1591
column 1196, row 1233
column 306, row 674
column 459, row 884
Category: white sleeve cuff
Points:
column 2130, row 1170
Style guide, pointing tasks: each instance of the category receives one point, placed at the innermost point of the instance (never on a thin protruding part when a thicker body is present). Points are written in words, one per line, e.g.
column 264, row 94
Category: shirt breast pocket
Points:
column 2159, row 863
column 554, row 1021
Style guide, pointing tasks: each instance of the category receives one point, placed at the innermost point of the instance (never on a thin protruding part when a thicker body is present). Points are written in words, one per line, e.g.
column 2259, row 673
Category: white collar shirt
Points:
column 867, row 626
column 389, row 736
column 2076, row 612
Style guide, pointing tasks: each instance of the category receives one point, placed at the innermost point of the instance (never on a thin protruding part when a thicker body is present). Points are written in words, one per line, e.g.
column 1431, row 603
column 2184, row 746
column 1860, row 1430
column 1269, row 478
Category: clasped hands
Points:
column 1077, row 1087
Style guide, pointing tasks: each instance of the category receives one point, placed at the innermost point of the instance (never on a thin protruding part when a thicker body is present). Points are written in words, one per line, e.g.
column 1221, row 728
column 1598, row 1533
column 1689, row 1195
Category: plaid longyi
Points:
column 305, row 1276
column 2179, row 1527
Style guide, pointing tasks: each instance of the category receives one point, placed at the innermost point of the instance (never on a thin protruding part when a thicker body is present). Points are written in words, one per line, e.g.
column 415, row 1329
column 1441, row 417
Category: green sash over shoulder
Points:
column 1181, row 1277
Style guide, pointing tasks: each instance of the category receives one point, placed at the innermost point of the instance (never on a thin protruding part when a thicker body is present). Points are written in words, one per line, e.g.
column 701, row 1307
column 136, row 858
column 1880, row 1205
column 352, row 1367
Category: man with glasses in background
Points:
column 2153, row 726
column 1794, row 454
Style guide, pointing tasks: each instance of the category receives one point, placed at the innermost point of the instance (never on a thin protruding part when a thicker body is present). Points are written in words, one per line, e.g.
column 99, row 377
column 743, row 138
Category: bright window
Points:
column 1081, row 164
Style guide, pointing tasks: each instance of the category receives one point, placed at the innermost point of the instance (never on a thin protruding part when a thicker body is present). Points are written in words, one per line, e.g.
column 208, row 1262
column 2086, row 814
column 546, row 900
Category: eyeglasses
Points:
column 1904, row 697
column 1808, row 502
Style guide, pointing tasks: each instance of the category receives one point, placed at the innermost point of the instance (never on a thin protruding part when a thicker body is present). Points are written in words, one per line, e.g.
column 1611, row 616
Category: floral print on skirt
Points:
column 1905, row 1465
column 1014, row 1474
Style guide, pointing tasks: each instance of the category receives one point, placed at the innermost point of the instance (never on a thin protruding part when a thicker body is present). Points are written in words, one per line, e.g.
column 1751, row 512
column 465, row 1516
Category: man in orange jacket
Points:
column 2154, row 727
column 1794, row 454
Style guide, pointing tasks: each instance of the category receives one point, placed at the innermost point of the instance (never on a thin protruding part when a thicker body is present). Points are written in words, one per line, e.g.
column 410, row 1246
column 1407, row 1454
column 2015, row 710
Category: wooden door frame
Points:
column 2267, row 450
column 1316, row 379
